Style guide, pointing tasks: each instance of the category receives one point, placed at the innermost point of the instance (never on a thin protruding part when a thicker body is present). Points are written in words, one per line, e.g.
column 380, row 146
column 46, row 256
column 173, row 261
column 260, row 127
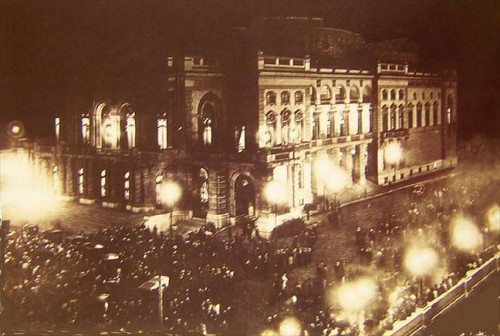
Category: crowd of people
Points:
column 105, row 280
column 380, row 253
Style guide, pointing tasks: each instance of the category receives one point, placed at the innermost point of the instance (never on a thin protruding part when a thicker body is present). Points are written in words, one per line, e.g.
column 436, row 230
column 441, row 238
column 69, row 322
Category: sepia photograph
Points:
column 263, row 168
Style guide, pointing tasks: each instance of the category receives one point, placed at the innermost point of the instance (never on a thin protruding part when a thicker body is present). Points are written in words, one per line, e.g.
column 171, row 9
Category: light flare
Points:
column 465, row 235
column 493, row 218
column 421, row 261
column 289, row 327
column 357, row 295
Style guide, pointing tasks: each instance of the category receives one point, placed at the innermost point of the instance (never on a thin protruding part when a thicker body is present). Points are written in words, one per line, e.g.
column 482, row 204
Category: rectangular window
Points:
column 86, row 130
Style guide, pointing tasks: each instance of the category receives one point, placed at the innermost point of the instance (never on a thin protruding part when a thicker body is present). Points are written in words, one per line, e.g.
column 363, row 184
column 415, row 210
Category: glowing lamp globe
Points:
column 171, row 192
column 393, row 153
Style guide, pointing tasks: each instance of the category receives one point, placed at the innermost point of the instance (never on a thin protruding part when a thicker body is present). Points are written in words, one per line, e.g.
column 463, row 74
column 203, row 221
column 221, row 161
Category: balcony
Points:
column 396, row 133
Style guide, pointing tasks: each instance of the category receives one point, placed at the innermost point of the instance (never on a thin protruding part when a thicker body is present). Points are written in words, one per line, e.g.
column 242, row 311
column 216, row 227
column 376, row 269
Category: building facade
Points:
column 227, row 131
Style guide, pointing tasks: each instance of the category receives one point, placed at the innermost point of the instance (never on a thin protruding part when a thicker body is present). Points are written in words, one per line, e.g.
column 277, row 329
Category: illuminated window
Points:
column 427, row 114
column 285, row 127
column 130, row 130
column 392, row 124
column 435, row 113
column 400, row 116
column 299, row 97
column 86, row 130
column 81, row 182
column 385, row 118
column 343, row 125
column 270, row 98
column 239, row 135
column 57, row 124
column 285, row 97
column 110, row 130
column 270, row 129
column 162, row 133
column 103, row 183
column 315, row 126
column 419, row 115
column 158, row 182
column 207, row 121
column 449, row 108
column 126, row 186
column 299, row 126
column 410, row 115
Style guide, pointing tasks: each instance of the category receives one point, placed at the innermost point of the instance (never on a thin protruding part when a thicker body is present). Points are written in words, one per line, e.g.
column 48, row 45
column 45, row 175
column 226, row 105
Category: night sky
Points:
column 56, row 55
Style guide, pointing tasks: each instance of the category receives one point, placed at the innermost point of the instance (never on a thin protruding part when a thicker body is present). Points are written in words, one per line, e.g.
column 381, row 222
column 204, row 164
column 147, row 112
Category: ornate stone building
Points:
column 232, row 124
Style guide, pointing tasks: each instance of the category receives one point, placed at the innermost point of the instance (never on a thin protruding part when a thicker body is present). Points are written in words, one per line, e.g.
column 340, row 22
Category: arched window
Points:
column 427, row 114
column 130, row 129
column 299, row 97
column 340, row 96
column 432, row 95
column 367, row 94
column 299, row 127
column 354, row 94
column 401, row 94
column 239, row 135
column 384, row 94
column 110, row 128
column 126, row 186
column 423, row 95
column 285, row 127
column 85, row 129
column 410, row 115
column 419, row 115
column 435, row 113
column 208, row 119
column 270, row 135
column 401, row 112
column 285, row 98
column 330, row 126
column 161, row 125
column 392, row 125
column 326, row 95
column 103, row 183
column 270, row 98
column 393, row 94
column 385, row 118
column 414, row 96
column 81, row 182
column 158, row 183
column 449, row 108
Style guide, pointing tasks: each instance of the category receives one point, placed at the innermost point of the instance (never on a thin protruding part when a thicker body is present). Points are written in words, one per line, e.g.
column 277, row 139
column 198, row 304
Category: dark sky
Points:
column 52, row 49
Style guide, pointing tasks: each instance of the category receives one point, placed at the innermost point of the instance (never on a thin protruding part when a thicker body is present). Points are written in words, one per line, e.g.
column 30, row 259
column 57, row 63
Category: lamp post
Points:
column 421, row 262
column 332, row 176
column 171, row 192
column 393, row 154
column 275, row 193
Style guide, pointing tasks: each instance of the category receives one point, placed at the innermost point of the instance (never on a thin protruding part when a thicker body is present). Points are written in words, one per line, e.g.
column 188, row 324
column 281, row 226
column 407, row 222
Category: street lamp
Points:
column 393, row 154
column 275, row 193
column 331, row 176
column 421, row 262
column 171, row 192
column 289, row 327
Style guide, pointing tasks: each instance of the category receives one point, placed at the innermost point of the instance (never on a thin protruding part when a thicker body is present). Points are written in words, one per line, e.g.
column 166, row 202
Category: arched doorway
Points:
column 244, row 191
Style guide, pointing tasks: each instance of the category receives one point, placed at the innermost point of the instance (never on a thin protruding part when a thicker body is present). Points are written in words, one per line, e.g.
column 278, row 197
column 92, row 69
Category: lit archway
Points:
column 200, row 193
column 244, row 191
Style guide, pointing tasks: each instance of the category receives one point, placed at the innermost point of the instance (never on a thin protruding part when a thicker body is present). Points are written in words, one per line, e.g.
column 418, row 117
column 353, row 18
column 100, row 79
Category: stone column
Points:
column 217, row 202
